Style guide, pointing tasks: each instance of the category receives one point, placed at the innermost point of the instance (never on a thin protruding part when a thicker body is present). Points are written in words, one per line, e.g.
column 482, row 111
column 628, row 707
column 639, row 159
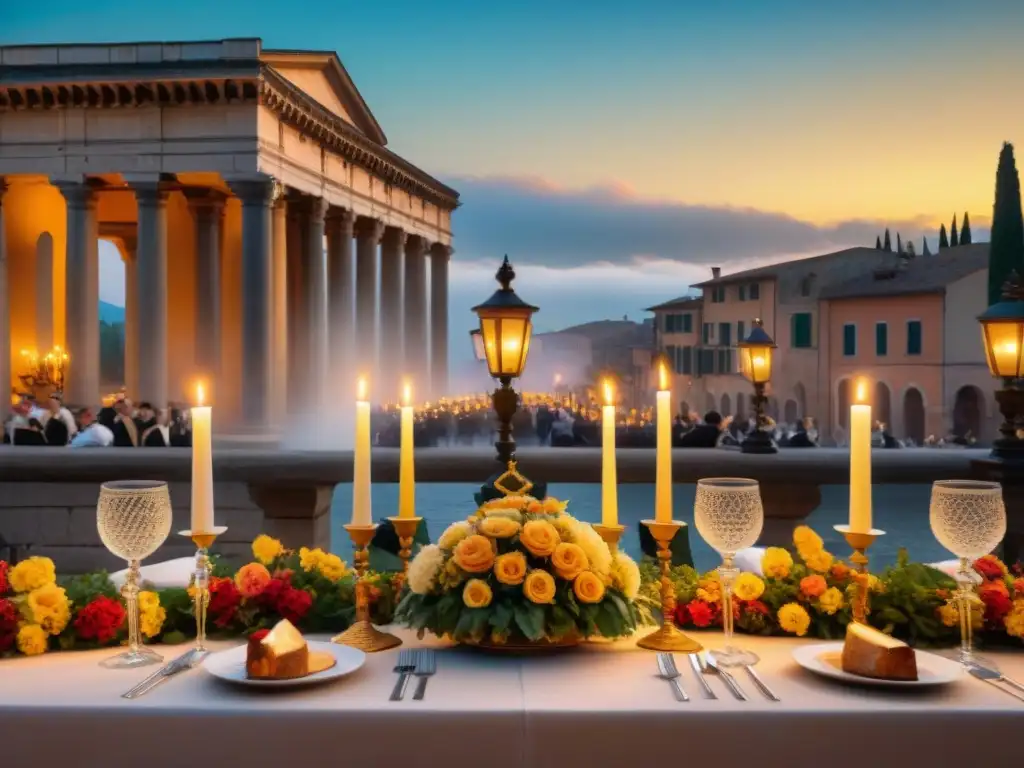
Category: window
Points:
column 687, row 323
column 881, row 339
column 724, row 334
column 705, row 362
column 723, row 361
column 687, row 360
column 805, row 285
column 849, row 340
column 706, row 333
column 913, row 337
column 755, row 291
column 741, row 331
column 670, row 355
column 743, row 293
column 717, row 294
column 800, row 330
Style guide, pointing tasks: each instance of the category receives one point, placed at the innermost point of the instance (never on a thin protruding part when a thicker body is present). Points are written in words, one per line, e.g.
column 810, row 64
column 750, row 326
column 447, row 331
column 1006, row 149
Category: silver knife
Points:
column 187, row 660
column 993, row 678
column 730, row 681
column 699, row 673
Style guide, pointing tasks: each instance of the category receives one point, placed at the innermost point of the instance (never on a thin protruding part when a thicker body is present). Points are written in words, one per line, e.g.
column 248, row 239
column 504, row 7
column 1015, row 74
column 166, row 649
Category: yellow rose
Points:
column 949, row 615
column 266, row 548
column 819, row 561
column 510, row 568
column 151, row 614
column 539, row 537
column 588, row 587
column 807, row 540
column 50, row 608
column 539, row 587
column 32, row 573
column 474, row 554
column 332, row 567
column 569, row 561
column 794, row 619
column 32, row 640
column 831, row 601
column 776, row 562
column 477, row 594
column 498, row 527
column 748, row 587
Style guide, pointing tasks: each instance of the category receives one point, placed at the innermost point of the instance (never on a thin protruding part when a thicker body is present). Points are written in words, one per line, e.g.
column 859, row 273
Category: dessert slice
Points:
column 870, row 653
column 280, row 654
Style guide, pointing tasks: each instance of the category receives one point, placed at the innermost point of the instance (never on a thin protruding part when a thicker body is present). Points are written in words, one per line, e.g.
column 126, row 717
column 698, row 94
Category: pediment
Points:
column 322, row 77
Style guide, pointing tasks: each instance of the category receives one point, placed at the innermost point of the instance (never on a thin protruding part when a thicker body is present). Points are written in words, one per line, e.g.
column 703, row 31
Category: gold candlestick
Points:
column 362, row 634
column 860, row 542
column 668, row 637
column 611, row 534
column 405, row 529
column 201, row 580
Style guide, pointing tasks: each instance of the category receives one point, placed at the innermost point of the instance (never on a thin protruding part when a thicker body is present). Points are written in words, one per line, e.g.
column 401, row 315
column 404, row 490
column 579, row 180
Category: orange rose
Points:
column 569, row 561
column 588, row 587
column 252, row 579
column 813, row 586
column 534, row 507
column 510, row 568
column 474, row 554
column 539, row 587
column 840, row 571
column 539, row 537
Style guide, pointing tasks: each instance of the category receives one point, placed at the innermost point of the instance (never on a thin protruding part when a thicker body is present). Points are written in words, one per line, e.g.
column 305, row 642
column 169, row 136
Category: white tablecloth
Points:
column 598, row 705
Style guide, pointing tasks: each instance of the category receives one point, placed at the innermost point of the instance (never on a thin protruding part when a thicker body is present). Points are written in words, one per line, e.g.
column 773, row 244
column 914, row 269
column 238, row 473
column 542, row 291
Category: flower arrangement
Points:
column 314, row 589
column 810, row 593
column 521, row 571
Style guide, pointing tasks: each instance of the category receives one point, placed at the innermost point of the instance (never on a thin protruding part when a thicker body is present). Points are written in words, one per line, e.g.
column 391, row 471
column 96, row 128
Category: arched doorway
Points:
column 741, row 407
column 968, row 412
column 882, row 406
column 843, row 403
column 913, row 415
column 726, row 405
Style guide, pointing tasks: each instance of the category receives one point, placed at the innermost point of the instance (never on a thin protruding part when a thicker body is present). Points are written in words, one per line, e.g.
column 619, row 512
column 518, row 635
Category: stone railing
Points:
column 48, row 496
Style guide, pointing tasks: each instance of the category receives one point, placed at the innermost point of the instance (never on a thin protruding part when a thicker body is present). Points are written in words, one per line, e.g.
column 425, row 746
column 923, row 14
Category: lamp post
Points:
column 756, row 365
column 505, row 330
column 1002, row 331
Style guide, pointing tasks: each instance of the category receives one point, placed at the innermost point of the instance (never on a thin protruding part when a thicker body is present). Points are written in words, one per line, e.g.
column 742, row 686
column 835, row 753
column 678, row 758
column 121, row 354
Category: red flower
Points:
column 294, row 604
column 756, row 606
column 285, row 574
column 988, row 567
column 997, row 601
column 681, row 615
column 258, row 635
column 701, row 613
column 4, row 586
column 100, row 620
column 224, row 601
column 8, row 617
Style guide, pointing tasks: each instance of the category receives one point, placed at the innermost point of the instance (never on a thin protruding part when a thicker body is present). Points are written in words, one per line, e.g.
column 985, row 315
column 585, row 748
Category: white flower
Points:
column 424, row 568
column 626, row 574
column 455, row 533
column 594, row 547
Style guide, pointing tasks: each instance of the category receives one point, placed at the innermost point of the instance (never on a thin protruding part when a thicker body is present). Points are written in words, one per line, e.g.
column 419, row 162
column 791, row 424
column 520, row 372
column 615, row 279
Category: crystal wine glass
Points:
column 134, row 519
column 729, row 516
column 969, row 519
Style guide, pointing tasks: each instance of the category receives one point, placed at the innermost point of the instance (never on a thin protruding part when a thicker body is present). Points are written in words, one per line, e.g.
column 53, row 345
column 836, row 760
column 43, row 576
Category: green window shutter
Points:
column 743, row 293
column 800, row 330
column 755, row 291
column 687, row 323
column 913, row 337
column 687, row 360
column 741, row 331
column 724, row 334
column 849, row 340
column 881, row 339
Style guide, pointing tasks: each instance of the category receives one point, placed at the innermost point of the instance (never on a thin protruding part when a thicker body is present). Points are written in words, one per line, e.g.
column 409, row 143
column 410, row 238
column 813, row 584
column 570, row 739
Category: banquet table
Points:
column 595, row 705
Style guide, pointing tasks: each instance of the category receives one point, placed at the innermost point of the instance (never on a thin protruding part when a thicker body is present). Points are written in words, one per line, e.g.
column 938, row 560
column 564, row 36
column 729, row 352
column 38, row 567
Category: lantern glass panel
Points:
column 1002, row 340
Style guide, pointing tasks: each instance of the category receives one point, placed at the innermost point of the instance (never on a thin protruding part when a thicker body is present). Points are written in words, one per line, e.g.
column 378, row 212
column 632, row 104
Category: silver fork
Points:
column 426, row 665
column 667, row 671
column 406, row 664
column 696, row 664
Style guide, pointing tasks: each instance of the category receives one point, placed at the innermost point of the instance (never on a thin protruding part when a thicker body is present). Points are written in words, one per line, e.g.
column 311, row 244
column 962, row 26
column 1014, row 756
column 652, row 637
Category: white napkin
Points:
column 170, row 573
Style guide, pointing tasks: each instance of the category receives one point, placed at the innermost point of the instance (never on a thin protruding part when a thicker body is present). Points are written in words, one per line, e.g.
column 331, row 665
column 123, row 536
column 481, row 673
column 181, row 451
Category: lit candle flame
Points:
column 407, row 394
column 609, row 397
column 861, row 394
column 200, row 394
column 361, row 388
column 662, row 377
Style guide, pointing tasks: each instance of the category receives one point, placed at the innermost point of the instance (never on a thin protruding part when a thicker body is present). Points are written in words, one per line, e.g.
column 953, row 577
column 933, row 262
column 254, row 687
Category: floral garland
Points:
column 314, row 589
column 810, row 593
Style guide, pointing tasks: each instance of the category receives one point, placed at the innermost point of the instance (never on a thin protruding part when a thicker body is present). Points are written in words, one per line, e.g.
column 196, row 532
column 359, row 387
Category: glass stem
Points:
column 202, row 595
column 727, row 577
column 130, row 592
column 964, row 599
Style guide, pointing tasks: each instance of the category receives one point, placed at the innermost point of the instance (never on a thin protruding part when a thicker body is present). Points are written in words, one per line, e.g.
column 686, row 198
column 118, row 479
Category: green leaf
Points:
column 530, row 620
column 608, row 620
column 501, row 617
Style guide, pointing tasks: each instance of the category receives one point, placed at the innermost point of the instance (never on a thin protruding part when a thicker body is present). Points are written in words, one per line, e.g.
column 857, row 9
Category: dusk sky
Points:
column 672, row 135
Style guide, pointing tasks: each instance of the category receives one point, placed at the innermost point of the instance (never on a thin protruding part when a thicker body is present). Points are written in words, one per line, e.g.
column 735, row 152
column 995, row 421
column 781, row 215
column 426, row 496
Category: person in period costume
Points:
column 145, row 417
column 126, row 431
column 30, row 435
column 159, row 435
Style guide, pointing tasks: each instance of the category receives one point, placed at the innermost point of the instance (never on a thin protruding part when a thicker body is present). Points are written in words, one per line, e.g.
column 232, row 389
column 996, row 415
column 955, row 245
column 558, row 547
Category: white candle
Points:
column 663, row 468
column 609, row 475
column 361, row 514
column 407, row 466
column 860, row 464
column 202, row 466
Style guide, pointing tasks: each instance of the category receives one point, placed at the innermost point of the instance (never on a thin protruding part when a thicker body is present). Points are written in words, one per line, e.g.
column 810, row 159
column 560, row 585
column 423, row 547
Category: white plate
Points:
column 230, row 666
column 824, row 659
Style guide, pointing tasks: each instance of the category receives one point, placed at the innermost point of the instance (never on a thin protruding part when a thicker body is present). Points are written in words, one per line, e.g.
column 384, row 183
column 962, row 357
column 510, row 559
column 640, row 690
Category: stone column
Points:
column 368, row 233
column 257, row 195
column 316, row 302
column 207, row 207
column 295, row 285
column 339, row 296
column 439, row 256
column 82, row 287
column 280, row 281
column 415, row 355
column 131, row 317
column 391, row 352
column 151, row 273
column 5, row 309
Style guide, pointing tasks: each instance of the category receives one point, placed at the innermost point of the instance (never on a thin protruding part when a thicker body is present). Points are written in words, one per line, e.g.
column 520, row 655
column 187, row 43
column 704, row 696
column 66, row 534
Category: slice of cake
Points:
column 870, row 653
column 280, row 654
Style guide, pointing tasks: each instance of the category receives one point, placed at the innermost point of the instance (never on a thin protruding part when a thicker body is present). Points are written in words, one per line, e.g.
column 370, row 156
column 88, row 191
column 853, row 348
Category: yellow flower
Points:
column 553, row 506
column 569, row 561
column 32, row 573
column 819, row 561
column 949, row 615
column 498, row 527
column 32, row 640
column 539, row 587
column 709, row 589
column 454, row 533
column 748, row 587
column 266, row 548
column 539, row 537
column 50, row 608
column 534, row 507
column 588, row 587
column 477, row 594
column 1014, row 620
column 776, row 562
column 794, row 619
column 510, row 568
column 475, row 554
column 329, row 566
column 625, row 575
column 151, row 614
column 831, row 601
column 807, row 540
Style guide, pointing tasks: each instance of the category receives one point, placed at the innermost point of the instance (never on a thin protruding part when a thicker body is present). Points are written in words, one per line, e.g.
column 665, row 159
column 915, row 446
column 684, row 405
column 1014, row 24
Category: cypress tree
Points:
column 1006, row 241
column 954, row 241
column 943, row 240
column 899, row 243
column 878, row 242
column 926, row 252
column 965, row 230
column 888, row 242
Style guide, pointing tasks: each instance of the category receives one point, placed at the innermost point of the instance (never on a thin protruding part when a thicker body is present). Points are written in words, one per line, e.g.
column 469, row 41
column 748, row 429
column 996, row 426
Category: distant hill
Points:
column 111, row 314
column 615, row 332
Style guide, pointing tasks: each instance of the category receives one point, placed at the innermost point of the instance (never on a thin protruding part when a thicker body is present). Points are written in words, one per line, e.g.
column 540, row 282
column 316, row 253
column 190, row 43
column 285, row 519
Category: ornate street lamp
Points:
column 505, row 329
column 756, row 365
column 1002, row 331
column 477, row 338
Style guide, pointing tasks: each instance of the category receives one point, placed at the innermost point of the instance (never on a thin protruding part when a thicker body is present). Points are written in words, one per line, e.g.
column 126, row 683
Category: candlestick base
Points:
column 860, row 542
column 611, row 534
column 362, row 634
column 668, row 637
column 200, row 583
column 405, row 529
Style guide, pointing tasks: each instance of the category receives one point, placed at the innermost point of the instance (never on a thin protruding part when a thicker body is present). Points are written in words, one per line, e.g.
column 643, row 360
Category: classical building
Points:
column 254, row 201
